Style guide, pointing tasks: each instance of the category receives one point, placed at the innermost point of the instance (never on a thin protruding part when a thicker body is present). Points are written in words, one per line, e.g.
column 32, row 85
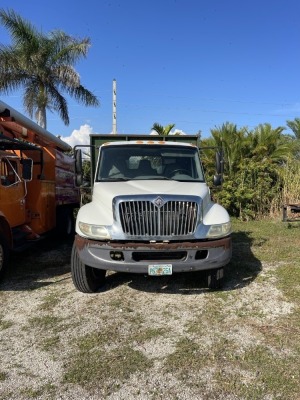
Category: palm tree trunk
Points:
column 41, row 118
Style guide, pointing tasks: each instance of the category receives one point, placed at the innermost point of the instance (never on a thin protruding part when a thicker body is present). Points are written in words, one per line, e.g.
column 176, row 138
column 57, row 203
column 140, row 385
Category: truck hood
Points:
column 99, row 211
column 140, row 187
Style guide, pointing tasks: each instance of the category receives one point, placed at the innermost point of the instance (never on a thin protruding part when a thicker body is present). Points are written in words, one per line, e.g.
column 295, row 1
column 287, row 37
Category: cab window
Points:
column 8, row 170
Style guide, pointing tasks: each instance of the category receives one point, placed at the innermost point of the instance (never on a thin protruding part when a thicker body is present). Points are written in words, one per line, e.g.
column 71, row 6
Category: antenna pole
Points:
column 114, row 122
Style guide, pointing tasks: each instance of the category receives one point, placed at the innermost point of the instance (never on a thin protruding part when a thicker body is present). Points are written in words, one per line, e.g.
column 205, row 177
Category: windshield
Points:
column 148, row 162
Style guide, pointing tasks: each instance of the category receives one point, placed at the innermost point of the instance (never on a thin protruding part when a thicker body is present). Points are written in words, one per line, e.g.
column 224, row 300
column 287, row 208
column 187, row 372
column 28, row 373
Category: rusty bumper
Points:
column 137, row 256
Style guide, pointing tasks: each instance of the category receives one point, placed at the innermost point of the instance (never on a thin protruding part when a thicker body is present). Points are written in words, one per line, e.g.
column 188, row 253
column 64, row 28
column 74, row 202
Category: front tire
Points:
column 86, row 279
column 4, row 256
column 215, row 278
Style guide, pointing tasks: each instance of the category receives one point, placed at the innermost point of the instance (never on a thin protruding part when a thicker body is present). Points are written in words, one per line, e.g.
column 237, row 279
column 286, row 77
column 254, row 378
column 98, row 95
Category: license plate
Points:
column 162, row 269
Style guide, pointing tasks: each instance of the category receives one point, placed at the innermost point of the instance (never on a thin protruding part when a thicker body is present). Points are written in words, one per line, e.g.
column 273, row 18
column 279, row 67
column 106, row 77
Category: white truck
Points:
column 151, row 212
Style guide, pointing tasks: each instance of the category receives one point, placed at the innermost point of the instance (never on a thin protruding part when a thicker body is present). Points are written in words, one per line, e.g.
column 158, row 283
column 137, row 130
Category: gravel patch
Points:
column 43, row 319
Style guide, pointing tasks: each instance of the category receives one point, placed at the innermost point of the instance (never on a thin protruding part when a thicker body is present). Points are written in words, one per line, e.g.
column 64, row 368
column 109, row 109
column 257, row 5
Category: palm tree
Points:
column 295, row 127
column 270, row 145
column 231, row 140
column 162, row 130
column 43, row 65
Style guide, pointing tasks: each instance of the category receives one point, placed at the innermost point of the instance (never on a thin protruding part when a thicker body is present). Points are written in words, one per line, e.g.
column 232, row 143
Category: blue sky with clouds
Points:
column 194, row 63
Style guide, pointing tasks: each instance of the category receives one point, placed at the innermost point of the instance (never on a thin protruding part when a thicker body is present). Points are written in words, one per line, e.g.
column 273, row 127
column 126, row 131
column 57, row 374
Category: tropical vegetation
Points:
column 261, row 168
column 43, row 66
column 294, row 126
column 162, row 130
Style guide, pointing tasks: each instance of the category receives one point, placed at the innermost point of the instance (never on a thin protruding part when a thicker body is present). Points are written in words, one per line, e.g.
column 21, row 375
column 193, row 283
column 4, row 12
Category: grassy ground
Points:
column 154, row 338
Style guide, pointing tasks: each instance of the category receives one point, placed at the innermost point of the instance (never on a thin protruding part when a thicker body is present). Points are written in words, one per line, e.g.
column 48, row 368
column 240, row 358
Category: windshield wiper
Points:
column 161, row 178
column 114, row 179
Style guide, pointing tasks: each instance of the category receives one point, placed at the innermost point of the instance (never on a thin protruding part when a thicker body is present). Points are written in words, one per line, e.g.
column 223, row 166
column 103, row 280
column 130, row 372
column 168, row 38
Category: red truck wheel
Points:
column 86, row 279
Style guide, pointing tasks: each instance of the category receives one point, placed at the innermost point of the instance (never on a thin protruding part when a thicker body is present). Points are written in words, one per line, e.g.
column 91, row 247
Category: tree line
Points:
column 261, row 168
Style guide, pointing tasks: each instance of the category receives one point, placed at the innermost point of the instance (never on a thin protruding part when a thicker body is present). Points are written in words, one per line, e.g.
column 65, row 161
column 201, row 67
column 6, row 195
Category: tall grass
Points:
column 290, row 193
column 291, row 182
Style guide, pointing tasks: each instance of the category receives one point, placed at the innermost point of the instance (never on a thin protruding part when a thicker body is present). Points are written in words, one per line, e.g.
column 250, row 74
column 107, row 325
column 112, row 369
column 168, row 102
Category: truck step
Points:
column 22, row 239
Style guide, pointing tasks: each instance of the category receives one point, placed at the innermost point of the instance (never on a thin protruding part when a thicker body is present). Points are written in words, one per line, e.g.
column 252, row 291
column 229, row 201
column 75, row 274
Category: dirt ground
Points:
column 139, row 338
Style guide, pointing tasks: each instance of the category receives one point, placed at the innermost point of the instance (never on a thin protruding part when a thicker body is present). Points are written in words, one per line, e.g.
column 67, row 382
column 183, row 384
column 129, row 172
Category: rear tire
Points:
column 65, row 222
column 215, row 278
column 4, row 256
column 86, row 279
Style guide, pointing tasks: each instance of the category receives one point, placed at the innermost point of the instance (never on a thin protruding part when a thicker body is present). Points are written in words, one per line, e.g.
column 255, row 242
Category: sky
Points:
column 193, row 63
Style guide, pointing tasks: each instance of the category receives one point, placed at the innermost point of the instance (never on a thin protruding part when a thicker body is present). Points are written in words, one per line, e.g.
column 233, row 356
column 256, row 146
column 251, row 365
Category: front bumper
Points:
column 137, row 256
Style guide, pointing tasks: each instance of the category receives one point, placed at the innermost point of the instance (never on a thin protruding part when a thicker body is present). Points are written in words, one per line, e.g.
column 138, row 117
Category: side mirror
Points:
column 78, row 167
column 78, row 161
column 27, row 164
column 219, row 162
column 218, row 180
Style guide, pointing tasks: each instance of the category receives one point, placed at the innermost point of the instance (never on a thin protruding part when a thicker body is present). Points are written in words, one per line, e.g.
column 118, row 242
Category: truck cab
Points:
column 151, row 213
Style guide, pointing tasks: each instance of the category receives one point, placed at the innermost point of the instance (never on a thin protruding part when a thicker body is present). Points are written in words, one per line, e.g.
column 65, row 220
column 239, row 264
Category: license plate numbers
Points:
column 161, row 269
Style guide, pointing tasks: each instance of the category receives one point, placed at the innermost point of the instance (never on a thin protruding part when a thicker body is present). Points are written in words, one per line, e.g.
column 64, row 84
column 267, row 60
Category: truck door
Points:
column 12, row 191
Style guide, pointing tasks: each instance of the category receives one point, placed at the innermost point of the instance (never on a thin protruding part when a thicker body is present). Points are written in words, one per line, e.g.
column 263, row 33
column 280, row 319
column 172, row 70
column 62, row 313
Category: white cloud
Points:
column 79, row 137
column 175, row 132
column 178, row 132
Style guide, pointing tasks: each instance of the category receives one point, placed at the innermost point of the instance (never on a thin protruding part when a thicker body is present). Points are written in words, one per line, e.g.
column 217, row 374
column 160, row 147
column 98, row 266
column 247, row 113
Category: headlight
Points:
column 219, row 230
column 94, row 231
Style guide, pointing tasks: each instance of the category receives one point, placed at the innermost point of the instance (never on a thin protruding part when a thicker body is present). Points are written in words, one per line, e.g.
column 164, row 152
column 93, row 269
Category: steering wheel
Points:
column 181, row 170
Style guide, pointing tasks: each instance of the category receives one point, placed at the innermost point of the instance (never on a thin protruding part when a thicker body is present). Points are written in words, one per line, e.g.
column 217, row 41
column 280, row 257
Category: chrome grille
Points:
column 143, row 218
